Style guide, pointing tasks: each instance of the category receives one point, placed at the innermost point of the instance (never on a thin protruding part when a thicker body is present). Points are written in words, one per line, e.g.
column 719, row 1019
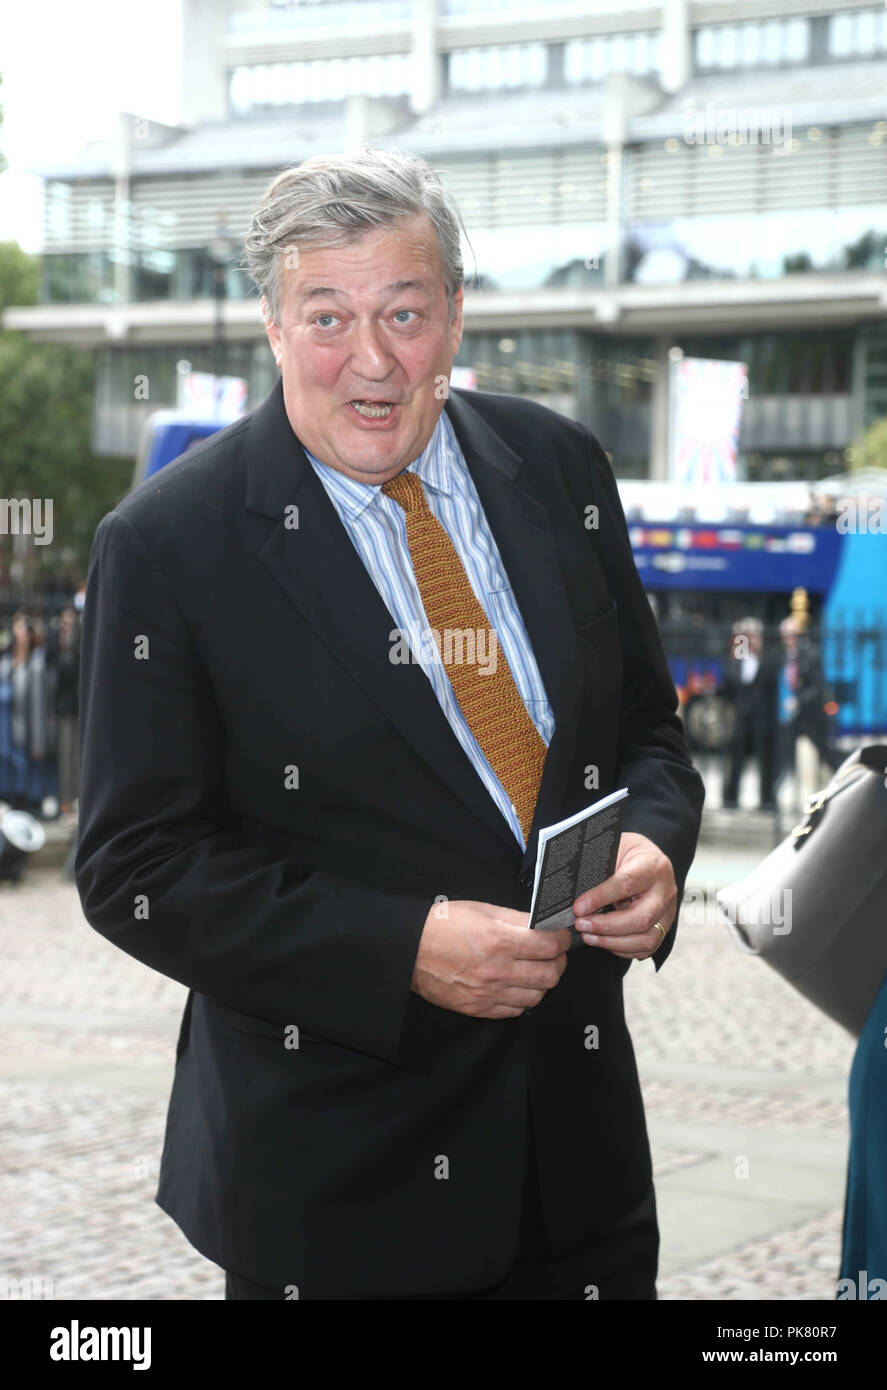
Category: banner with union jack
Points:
column 705, row 399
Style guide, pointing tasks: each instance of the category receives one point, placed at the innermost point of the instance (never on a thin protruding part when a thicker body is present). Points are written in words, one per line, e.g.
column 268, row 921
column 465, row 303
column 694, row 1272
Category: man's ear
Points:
column 272, row 329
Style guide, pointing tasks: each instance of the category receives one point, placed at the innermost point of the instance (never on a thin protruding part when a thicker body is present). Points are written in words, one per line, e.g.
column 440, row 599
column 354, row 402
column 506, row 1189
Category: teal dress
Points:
column 864, row 1254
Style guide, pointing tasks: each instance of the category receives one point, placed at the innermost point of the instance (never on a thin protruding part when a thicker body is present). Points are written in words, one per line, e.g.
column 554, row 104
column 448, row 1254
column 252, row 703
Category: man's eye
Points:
column 398, row 314
column 331, row 318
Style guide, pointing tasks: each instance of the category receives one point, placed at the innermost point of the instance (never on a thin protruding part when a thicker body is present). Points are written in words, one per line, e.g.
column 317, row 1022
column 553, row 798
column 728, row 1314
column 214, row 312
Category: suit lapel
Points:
column 317, row 567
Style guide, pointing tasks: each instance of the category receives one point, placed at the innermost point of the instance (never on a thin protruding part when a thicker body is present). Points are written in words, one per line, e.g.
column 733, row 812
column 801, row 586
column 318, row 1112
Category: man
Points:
column 751, row 683
column 801, row 700
column 385, row 1085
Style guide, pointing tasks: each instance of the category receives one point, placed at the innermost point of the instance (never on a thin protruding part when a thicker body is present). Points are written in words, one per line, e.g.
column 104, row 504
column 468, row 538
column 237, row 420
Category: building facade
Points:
column 634, row 177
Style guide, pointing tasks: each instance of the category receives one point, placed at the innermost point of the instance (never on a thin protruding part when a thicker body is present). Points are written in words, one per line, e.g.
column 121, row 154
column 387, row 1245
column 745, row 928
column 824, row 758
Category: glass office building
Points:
column 633, row 177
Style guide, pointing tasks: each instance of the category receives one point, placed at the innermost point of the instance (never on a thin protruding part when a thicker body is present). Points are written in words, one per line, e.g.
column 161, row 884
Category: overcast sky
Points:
column 68, row 66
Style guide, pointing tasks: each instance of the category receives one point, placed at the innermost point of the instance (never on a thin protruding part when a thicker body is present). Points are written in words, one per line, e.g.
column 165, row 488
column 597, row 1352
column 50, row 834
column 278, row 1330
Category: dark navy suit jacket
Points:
column 268, row 810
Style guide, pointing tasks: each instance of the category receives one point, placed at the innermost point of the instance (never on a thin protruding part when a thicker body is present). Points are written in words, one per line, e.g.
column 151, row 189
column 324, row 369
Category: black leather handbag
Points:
column 816, row 908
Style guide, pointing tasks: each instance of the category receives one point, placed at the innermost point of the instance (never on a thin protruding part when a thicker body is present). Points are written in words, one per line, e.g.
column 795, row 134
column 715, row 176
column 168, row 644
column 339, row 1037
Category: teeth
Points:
column 373, row 410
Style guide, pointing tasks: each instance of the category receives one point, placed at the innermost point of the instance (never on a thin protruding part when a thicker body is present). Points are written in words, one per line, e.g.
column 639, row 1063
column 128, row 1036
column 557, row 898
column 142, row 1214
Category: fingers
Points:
column 641, row 867
column 520, row 982
column 542, row 945
column 480, row 959
column 630, row 933
column 635, row 918
column 621, row 885
column 636, row 947
column 533, row 974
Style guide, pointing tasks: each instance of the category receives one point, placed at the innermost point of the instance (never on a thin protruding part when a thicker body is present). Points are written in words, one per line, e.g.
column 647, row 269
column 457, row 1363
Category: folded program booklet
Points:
column 573, row 856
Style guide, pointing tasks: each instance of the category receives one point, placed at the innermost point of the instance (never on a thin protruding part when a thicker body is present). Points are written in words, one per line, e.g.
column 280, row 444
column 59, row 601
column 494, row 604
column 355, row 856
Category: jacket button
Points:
column 526, row 881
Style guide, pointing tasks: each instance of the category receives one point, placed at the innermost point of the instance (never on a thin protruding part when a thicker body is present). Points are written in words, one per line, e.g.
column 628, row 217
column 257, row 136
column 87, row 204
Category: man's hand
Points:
column 481, row 960
column 643, row 890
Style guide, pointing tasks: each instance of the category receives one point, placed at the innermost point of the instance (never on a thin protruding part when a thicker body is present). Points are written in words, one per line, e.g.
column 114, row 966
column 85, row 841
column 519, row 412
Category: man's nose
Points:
column 370, row 358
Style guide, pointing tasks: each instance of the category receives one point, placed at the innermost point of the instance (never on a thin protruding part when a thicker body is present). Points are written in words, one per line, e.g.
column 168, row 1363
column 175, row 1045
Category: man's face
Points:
column 367, row 322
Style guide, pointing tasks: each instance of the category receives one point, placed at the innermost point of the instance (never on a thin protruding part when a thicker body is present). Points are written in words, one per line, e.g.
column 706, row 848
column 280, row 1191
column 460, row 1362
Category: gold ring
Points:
column 657, row 926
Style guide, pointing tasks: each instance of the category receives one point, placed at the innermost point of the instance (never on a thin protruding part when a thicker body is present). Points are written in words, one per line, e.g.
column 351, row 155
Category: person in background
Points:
column 39, row 720
column 801, row 699
column 750, row 682
column 67, row 680
column 13, row 713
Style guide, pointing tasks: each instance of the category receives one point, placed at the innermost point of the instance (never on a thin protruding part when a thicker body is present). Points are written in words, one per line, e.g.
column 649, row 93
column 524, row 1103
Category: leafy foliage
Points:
column 871, row 450
column 46, row 401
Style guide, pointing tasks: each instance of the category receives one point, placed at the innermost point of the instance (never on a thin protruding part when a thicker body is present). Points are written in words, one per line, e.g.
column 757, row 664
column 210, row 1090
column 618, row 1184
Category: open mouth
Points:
column 373, row 410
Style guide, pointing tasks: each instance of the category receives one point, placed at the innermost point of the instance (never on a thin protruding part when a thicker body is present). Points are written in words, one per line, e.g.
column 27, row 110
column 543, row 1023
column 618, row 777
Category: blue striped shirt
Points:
column 377, row 527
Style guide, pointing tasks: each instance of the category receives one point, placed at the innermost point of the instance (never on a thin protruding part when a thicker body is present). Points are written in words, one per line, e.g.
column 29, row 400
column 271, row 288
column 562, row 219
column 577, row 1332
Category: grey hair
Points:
column 330, row 200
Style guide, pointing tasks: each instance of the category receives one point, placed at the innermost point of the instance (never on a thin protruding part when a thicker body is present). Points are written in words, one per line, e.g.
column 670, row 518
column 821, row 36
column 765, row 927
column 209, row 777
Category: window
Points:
column 591, row 60
column 58, row 212
column 323, row 79
column 858, row 35
column 772, row 43
column 493, row 69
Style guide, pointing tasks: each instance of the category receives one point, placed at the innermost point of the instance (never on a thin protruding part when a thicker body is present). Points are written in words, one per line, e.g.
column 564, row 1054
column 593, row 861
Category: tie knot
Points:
column 407, row 490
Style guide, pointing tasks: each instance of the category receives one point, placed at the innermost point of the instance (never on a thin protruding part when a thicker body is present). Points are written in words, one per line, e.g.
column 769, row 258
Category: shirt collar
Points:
column 434, row 466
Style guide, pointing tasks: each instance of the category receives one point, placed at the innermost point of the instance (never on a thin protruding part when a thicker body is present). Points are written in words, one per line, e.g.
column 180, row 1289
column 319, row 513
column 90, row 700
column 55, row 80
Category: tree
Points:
column 871, row 450
column 19, row 275
column 46, row 396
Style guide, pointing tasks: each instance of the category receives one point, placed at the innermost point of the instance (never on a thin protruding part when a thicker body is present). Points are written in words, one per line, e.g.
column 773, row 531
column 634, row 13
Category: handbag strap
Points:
column 871, row 758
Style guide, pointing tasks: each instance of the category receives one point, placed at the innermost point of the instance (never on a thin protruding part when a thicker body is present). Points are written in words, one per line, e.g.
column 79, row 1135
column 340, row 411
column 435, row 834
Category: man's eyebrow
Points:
column 317, row 292
column 396, row 287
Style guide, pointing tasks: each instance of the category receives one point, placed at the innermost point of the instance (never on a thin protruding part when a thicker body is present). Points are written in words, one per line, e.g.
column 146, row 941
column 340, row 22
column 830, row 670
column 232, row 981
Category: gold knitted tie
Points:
column 491, row 703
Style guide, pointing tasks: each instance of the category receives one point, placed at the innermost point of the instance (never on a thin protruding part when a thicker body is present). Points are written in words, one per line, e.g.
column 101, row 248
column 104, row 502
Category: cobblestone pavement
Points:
column 734, row 1066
